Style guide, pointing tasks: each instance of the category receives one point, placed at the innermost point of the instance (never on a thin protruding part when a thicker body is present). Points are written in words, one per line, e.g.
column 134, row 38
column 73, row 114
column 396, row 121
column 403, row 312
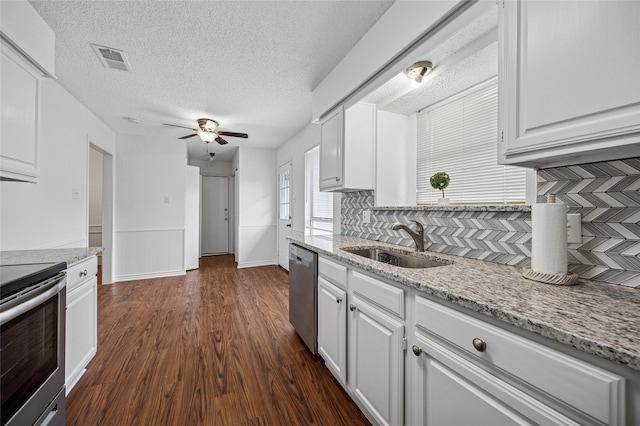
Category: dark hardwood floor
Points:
column 214, row 347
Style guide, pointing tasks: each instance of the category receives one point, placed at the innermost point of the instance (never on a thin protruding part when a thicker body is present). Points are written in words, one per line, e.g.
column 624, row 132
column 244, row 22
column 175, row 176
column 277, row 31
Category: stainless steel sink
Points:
column 403, row 260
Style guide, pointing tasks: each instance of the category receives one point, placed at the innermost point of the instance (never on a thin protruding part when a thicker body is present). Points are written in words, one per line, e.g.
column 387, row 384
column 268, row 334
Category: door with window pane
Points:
column 284, row 213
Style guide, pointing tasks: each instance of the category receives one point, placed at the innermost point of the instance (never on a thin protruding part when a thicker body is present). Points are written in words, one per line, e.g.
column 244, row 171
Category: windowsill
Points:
column 459, row 208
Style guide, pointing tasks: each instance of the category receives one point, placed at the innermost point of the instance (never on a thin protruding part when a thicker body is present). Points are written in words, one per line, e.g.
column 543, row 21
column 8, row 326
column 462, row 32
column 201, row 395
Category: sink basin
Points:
column 403, row 260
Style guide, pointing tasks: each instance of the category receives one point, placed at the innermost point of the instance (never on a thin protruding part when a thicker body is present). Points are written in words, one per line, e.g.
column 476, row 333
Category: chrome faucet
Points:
column 418, row 237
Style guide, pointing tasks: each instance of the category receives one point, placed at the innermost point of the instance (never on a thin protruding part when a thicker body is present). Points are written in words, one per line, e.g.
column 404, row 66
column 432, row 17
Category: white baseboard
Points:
column 145, row 276
column 257, row 263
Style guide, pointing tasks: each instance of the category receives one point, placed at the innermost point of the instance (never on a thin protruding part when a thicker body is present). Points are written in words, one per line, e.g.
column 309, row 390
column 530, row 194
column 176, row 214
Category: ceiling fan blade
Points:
column 221, row 141
column 182, row 127
column 233, row 134
column 189, row 136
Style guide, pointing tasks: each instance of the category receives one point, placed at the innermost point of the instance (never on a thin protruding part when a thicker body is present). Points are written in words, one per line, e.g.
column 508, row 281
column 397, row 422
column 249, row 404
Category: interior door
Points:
column 215, row 215
column 284, row 213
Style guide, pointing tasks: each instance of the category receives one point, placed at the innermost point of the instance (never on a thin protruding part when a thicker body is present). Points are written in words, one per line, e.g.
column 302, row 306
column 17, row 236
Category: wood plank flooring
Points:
column 212, row 348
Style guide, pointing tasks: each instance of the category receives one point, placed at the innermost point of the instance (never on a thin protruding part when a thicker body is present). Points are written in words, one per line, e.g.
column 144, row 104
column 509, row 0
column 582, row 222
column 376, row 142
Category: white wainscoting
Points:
column 257, row 246
column 149, row 253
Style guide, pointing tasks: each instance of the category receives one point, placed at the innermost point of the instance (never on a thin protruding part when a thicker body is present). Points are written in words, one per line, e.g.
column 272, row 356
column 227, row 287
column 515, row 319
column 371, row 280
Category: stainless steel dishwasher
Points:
column 303, row 285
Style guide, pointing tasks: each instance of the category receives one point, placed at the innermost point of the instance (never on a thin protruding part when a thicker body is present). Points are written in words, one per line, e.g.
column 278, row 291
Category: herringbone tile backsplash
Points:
column 606, row 194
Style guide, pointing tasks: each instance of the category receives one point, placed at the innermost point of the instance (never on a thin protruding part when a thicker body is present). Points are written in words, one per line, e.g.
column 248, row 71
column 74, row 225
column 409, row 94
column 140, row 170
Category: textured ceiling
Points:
column 251, row 65
column 467, row 58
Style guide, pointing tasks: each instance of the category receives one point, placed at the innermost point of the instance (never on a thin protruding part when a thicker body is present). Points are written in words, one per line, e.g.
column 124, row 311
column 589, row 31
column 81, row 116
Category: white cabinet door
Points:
column 331, row 149
column 347, row 141
column 449, row 390
column 81, row 330
column 332, row 328
column 20, row 115
column 376, row 362
column 569, row 87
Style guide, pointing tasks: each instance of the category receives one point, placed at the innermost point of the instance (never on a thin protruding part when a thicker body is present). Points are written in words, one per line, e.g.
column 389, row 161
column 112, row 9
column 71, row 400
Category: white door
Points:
column 284, row 213
column 192, row 218
column 215, row 215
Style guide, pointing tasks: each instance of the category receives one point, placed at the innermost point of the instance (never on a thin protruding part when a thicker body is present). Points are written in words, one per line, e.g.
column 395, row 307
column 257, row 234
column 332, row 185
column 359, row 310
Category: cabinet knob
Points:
column 337, row 179
column 84, row 273
column 479, row 344
column 352, row 308
column 338, row 300
column 417, row 351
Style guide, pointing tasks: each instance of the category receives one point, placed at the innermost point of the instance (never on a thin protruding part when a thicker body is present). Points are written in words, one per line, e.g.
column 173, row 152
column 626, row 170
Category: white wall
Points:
column 293, row 150
column 256, row 180
column 213, row 168
column 396, row 153
column 150, row 207
column 45, row 214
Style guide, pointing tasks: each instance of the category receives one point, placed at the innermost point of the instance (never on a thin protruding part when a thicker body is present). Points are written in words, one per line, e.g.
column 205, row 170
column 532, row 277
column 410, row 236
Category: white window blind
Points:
column 459, row 136
column 318, row 205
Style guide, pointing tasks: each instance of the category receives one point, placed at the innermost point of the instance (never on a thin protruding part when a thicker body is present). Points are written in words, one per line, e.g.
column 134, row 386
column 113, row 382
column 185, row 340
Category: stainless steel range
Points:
column 32, row 324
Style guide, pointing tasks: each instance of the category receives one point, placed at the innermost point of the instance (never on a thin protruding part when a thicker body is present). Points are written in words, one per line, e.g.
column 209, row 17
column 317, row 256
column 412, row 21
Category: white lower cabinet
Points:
column 495, row 377
column 376, row 362
column 81, row 319
column 458, row 369
column 332, row 328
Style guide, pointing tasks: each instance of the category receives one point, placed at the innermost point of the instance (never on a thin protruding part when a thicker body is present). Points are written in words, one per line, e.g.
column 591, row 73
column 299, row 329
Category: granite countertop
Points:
column 598, row 318
column 459, row 208
column 69, row 255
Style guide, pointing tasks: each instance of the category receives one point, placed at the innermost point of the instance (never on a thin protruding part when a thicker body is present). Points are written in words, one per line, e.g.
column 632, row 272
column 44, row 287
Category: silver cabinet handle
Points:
column 338, row 300
column 417, row 351
column 84, row 273
column 352, row 308
column 479, row 344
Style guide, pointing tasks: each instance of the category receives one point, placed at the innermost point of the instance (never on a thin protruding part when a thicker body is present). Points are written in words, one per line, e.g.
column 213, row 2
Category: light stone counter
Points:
column 597, row 318
column 69, row 255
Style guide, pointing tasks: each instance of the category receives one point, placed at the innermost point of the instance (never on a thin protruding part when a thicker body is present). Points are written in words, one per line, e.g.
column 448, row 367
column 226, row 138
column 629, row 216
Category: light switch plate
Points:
column 366, row 216
column 574, row 228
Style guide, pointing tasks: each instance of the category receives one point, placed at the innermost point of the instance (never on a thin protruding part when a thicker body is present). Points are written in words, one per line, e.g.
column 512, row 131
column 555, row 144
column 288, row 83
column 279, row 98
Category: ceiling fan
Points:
column 209, row 132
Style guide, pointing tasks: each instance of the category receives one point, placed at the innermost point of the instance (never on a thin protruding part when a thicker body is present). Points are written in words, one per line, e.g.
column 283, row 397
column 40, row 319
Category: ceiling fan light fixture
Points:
column 207, row 136
column 417, row 71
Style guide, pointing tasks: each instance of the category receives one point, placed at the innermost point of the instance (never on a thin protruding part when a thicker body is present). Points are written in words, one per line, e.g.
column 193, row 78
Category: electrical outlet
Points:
column 75, row 193
column 366, row 216
column 574, row 228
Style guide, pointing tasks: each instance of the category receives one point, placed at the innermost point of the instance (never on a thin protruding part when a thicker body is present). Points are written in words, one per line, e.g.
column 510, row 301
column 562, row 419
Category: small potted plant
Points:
column 440, row 181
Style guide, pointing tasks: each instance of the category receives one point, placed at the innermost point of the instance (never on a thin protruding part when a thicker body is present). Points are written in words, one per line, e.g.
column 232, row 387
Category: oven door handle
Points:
column 19, row 309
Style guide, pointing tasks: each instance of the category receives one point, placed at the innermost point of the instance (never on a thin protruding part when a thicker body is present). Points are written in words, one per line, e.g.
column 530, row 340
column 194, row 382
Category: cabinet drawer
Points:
column 595, row 392
column 81, row 271
column 333, row 271
column 382, row 294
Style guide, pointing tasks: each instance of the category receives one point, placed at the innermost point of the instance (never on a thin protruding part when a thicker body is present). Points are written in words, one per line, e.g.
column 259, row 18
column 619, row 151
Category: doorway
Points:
column 215, row 215
column 284, row 213
column 100, row 200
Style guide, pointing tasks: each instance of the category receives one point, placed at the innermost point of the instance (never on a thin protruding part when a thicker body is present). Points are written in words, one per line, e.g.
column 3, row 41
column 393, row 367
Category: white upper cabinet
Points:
column 570, row 85
column 20, row 117
column 28, row 53
column 347, row 139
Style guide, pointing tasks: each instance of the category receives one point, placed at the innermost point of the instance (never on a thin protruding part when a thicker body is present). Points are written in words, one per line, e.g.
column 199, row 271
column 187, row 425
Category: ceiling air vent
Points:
column 112, row 58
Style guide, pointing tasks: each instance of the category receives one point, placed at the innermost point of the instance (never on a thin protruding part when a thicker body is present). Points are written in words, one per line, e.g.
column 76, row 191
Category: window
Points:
column 459, row 136
column 284, row 179
column 318, row 205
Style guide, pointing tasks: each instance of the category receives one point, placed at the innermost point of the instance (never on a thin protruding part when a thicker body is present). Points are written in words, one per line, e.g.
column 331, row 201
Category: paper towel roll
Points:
column 549, row 238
